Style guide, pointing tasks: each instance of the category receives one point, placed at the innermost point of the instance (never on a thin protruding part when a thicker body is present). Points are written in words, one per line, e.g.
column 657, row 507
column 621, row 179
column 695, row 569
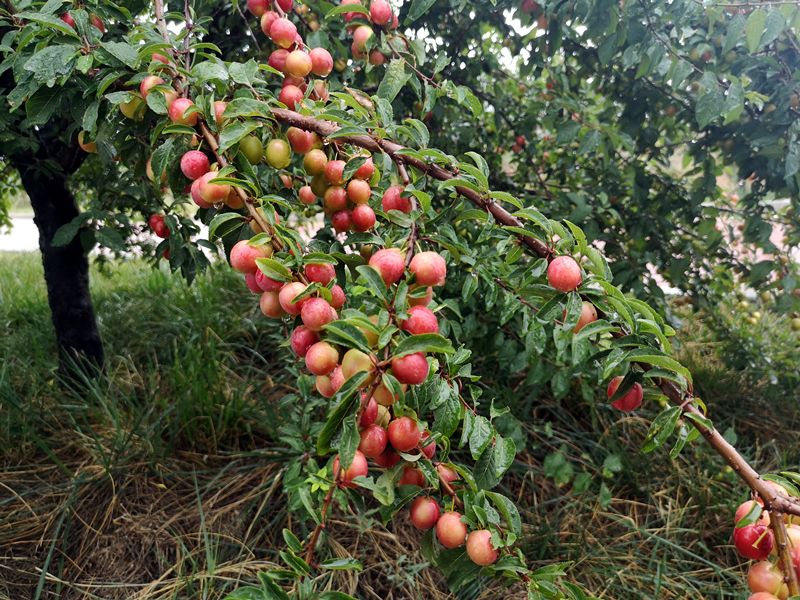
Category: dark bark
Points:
column 66, row 270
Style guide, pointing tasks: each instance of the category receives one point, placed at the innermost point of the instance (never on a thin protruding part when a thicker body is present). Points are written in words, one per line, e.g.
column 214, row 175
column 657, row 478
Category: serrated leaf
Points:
column 348, row 335
column 227, row 222
column 373, row 280
column 347, row 397
column 418, row 8
column 209, row 71
column 754, row 28
column 480, row 436
column 234, row 133
column 274, row 269
column 51, row 62
column 508, row 510
column 49, row 21
column 347, row 8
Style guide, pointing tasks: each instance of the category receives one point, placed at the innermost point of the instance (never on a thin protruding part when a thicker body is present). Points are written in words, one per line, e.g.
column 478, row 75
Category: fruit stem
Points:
column 248, row 202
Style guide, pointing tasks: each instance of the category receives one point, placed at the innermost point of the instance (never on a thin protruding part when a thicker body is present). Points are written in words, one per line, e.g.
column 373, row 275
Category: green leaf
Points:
column 394, row 79
column 709, row 106
column 508, row 510
column 418, row 8
column 348, row 335
column 661, row 428
column 426, row 342
column 774, row 26
column 753, row 515
column 447, row 415
column 480, row 436
column 234, row 132
column 68, row 231
column 274, row 269
column 292, row 541
column 342, row 564
column 597, row 327
column 209, row 71
column 333, row 595
column 296, row 563
column 347, row 8
column 348, row 396
column 123, row 52
column 49, row 21
column 52, row 62
column 590, row 142
column 494, row 462
column 230, row 220
column 373, row 279
column 162, row 157
column 244, row 73
column 659, row 360
column 247, row 107
column 247, row 592
column 348, row 441
column 754, row 28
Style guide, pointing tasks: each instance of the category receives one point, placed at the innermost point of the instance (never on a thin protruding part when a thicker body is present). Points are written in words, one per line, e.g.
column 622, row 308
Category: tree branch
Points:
column 784, row 552
column 248, row 201
column 772, row 501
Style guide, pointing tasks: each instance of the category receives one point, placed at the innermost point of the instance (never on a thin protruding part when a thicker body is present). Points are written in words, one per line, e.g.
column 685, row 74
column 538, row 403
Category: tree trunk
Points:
column 66, row 271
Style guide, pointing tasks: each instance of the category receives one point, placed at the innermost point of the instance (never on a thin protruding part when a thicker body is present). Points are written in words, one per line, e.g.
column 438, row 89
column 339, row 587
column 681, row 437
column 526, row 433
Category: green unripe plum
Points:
column 252, row 148
column 279, row 154
column 355, row 361
column 133, row 108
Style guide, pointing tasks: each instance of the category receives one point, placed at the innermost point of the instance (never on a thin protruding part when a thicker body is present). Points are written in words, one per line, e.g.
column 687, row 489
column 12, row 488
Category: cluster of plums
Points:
column 756, row 541
column 382, row 16
column 292, row 57
column 383, row 436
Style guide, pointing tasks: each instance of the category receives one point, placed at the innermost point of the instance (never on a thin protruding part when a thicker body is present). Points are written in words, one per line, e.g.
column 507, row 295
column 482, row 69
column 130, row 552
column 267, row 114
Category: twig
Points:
column 247, row 26
column 189, row 24
column 161, row 23
column 784, row 552
column 248, row 201
column 312, row 543
column 412, row 236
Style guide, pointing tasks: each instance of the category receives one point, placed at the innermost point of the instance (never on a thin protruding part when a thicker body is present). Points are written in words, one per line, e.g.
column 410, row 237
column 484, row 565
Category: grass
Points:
column 165, row 478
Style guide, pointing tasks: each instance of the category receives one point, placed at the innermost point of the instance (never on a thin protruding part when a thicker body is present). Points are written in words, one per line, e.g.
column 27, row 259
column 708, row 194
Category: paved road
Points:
column 23, row 236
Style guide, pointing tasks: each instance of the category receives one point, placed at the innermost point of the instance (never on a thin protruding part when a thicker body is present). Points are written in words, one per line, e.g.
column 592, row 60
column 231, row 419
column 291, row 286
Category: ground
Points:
column 163, row 479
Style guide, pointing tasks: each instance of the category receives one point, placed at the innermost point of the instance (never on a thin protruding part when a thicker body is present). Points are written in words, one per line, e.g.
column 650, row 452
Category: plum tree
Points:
column 399, row 389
